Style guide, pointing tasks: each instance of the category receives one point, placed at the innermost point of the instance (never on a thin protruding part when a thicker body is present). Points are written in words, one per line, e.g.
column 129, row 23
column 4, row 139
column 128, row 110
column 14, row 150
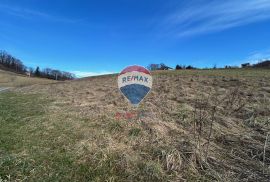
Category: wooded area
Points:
column 10, row 63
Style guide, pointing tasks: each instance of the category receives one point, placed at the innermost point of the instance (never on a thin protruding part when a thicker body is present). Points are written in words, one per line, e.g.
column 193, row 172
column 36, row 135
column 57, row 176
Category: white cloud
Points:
column 258, row 56
column 203, row 16
column 81, row 74
column 30, row 14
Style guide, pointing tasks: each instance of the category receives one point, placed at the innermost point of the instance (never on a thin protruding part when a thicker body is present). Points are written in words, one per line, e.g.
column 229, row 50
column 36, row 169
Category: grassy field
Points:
column 9, row 79
column 195, row 125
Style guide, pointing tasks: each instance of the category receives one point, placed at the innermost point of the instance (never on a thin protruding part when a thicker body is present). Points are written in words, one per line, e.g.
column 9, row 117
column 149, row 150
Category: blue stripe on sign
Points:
column 135, row 92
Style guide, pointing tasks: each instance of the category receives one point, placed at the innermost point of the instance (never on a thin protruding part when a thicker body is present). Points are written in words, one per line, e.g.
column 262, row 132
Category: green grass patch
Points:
column 134, row 132
column 28, row 149
column 37, row 144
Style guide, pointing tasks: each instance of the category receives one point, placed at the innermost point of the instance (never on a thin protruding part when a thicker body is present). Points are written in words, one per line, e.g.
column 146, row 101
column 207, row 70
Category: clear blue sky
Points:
column 99, row 36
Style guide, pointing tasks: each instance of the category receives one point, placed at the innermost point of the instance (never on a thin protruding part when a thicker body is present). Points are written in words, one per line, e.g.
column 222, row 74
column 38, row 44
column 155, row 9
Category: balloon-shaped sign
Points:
column 135, row 82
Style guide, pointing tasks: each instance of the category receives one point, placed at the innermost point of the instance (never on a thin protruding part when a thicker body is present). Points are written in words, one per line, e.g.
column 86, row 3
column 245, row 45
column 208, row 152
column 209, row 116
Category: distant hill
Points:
column 11, row 79
column 264, row 64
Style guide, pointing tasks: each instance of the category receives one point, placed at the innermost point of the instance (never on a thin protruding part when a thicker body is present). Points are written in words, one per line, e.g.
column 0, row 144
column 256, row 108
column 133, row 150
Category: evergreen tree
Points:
column 37, row 72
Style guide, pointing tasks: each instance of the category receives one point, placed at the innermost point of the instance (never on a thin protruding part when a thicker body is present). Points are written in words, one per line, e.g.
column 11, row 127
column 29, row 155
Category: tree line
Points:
column 260, row 64
column 162, row 66
column 51, row 74
column 10, row 63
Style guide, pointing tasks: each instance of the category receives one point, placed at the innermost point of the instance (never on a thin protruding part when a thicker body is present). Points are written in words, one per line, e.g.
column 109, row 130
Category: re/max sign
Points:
column 134, row 78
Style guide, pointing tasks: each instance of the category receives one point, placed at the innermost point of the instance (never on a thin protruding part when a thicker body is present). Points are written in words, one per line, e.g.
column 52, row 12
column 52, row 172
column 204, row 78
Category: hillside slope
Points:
column 206, row 125
column 11, row 79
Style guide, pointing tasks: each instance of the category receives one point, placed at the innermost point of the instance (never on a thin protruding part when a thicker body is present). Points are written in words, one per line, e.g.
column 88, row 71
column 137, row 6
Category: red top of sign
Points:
column 135, row 68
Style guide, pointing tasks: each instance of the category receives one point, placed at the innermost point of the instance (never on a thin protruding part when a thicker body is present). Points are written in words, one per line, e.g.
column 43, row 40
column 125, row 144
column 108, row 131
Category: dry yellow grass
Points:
column 9, row 79
column 206, row 125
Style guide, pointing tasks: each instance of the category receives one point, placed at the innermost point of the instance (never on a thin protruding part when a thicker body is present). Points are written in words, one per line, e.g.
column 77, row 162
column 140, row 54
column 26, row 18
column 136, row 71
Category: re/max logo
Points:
column 135, row 78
